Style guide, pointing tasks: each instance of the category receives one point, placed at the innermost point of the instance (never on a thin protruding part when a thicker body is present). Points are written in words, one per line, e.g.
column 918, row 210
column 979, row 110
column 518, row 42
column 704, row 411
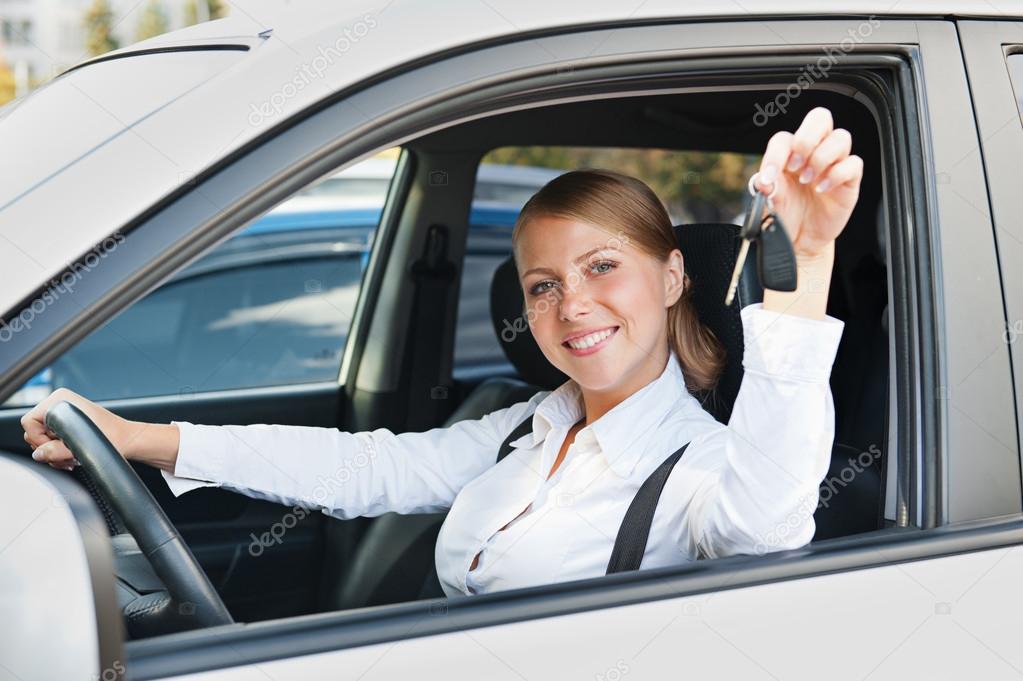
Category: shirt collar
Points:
column 623, row 433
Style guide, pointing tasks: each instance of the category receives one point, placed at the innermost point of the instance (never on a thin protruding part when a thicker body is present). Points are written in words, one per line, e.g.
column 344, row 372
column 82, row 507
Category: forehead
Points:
column 549, row 240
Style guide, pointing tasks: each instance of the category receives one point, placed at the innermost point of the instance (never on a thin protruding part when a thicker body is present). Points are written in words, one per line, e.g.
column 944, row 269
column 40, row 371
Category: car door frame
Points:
column 274, row 167
column 987, row 46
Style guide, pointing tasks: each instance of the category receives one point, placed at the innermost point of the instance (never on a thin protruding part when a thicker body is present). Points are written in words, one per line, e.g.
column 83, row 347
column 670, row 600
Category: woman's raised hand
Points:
column 817, row 180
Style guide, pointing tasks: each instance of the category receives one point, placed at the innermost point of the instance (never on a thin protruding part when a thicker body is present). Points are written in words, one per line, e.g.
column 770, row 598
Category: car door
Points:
column 926, row 596
column 992, row 51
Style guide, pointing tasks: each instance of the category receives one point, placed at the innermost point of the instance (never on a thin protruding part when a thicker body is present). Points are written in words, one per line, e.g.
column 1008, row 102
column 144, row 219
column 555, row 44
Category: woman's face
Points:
column 596, row 304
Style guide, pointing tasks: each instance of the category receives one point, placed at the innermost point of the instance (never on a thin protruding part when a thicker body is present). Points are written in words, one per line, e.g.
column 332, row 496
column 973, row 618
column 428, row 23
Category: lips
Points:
column 588, row 342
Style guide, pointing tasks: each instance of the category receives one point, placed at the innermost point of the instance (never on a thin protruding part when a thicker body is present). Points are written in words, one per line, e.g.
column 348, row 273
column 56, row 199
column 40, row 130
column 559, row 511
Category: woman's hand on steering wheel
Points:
column 48, row 448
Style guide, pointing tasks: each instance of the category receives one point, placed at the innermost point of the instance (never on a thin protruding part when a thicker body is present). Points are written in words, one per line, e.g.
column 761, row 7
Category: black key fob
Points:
column 776, row 260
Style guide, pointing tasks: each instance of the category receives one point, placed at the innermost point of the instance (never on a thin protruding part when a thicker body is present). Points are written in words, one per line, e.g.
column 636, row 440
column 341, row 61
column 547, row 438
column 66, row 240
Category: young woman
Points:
column 608, row 303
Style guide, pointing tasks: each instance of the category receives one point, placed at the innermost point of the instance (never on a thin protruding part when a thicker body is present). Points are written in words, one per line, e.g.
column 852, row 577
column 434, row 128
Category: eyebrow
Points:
column 578, row 260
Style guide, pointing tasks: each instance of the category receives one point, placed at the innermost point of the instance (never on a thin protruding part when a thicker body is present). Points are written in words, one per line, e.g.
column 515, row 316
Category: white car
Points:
column 132, row 167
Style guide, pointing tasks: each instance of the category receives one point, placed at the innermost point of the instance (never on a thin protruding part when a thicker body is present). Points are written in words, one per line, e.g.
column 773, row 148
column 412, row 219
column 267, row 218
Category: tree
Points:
column 215, row 9
column 99, row 21
column 696, row 186
column 6, row 82
column 153, row 21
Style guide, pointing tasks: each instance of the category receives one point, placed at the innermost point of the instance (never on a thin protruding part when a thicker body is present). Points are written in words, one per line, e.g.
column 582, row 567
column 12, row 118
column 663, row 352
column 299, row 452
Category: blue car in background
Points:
column 270, row 306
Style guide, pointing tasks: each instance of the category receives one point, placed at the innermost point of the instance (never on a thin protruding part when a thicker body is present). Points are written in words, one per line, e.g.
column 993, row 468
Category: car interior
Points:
column 396, row 553
column 326, row 564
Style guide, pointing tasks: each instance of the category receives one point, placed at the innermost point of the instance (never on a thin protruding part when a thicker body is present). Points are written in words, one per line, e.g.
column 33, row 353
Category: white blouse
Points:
column 748, row 487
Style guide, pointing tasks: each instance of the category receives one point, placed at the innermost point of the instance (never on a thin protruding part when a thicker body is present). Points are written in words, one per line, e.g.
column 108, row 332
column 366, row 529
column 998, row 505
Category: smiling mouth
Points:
column 590, row 342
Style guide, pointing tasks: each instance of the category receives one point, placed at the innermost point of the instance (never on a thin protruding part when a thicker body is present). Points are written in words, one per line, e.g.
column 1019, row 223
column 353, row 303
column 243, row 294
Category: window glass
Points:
column 695, row 187
column 270, row 306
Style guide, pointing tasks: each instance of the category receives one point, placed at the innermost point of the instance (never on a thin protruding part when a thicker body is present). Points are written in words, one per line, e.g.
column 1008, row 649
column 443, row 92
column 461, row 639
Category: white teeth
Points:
column 590, row 340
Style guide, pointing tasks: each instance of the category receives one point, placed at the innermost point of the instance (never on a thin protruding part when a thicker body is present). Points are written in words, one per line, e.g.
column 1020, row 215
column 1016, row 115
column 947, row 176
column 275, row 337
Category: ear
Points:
column 674, row 277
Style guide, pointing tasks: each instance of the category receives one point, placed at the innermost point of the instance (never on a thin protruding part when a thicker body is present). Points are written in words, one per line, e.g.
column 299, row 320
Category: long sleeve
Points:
column 777, row 445
column 343, row 474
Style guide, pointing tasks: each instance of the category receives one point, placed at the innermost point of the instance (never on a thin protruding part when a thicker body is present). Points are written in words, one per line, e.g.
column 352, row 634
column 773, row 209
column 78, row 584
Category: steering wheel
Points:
column 190, row 600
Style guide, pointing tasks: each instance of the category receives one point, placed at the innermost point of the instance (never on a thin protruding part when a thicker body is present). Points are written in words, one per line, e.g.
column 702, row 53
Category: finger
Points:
column 37, row 439
column 842, row 176
column 53, row 452
column 775, row 155
column 832, row 149
column 32, row 424
column 815, row 127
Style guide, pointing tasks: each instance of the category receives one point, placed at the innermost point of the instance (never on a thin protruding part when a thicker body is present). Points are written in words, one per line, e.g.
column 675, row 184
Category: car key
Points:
column 776, row 260
column 750, row 231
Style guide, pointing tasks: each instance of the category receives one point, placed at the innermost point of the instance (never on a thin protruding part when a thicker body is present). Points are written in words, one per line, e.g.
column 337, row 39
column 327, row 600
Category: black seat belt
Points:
column 433, row 274
column 630, row 544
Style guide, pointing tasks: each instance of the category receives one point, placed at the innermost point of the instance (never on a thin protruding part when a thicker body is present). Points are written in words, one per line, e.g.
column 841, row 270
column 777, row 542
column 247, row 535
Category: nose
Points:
column 574, row 302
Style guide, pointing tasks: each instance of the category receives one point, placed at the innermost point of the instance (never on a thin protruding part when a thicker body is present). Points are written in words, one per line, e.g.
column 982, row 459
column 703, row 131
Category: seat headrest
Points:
column 709, row 251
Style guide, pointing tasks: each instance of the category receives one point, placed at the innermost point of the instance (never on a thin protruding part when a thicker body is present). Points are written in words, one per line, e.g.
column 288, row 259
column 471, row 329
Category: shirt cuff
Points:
column 194, row 468
column 788, row 346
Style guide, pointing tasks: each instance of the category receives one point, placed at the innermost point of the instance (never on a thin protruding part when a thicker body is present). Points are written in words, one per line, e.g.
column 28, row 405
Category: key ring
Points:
column 753, row 191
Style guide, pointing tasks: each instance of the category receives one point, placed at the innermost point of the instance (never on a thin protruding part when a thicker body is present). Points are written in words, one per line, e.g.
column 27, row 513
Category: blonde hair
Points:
column 628, row 208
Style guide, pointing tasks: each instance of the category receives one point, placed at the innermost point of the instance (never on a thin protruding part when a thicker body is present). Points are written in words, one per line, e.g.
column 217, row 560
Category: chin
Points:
column 593, row 376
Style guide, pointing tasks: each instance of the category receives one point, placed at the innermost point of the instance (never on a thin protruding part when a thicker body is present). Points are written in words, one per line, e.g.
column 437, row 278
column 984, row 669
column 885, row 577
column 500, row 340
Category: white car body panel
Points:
column 949, row 618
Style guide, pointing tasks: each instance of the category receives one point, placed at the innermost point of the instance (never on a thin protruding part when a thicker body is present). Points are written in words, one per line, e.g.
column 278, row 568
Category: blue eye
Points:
column 596, row 267
column 539, row 287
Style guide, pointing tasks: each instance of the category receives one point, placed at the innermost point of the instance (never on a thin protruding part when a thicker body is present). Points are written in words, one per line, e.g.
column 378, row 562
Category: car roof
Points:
column 143, row 152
